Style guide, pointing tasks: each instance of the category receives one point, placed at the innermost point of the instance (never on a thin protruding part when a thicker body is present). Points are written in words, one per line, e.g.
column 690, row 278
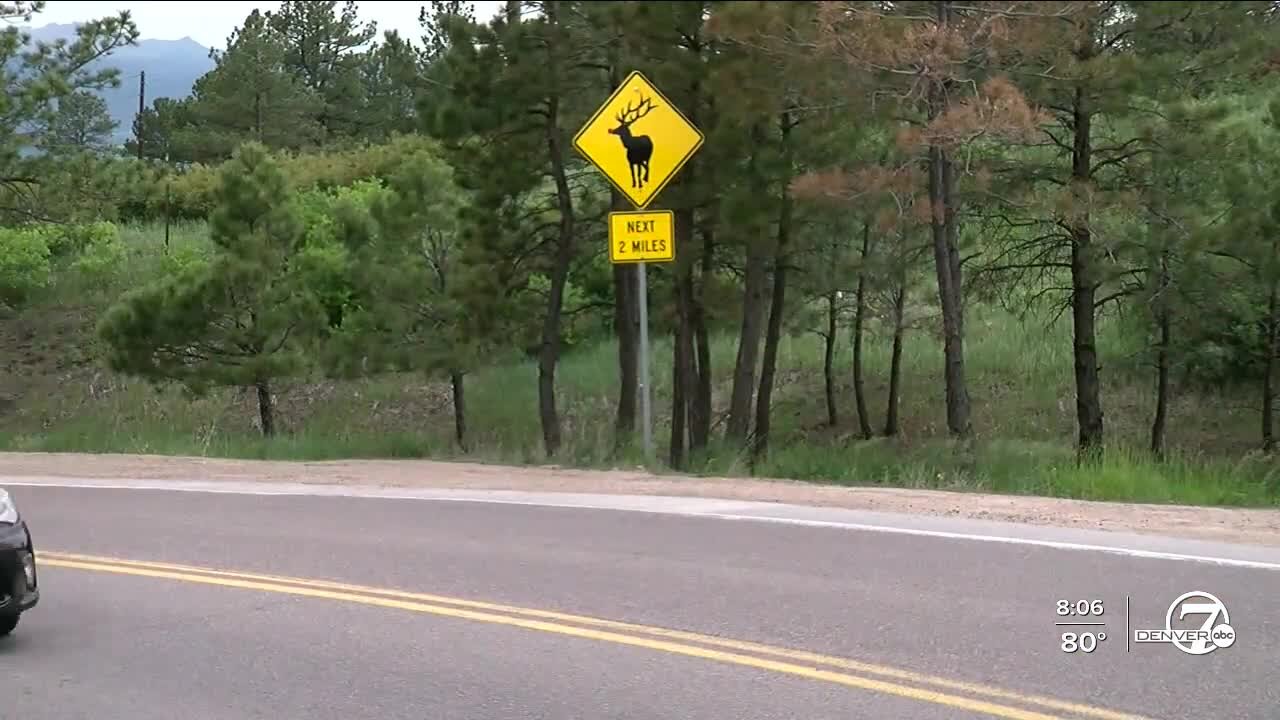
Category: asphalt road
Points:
column 905, row 627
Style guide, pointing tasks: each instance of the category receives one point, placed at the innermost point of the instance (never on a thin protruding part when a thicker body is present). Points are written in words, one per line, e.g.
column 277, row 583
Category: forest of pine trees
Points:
column 875, row 177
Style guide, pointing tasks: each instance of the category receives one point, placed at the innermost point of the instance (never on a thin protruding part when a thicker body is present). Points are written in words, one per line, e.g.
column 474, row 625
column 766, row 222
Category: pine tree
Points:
column 79, row 123
column 166, row 130
column 930, row 67
column 319, row 44
column 391, row 86
column 34, row 78
column 515, row 98
column 608, row 53
column 405, row 250
column 1097, row 68
column 672, row 43
column 1250, row 241
column 933, row 62
column 252, row 94
column 240, row 319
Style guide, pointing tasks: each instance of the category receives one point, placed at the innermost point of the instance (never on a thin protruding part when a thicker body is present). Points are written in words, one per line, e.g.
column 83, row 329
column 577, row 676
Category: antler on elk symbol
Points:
column 639, row 147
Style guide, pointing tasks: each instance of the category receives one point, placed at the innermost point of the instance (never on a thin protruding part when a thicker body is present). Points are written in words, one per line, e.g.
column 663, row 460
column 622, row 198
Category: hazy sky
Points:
column 210, row 23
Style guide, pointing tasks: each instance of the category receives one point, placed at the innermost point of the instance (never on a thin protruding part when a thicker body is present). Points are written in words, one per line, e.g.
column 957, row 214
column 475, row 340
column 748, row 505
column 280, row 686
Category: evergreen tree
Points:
column 1250, row 241
column 934, row 62
column 242, row 318
column 80, row 122
column 389, row 76
column 167, row 129
column 515, row 99
column 251, row 94
column 671, row 43
column 319, row 44
column 34, row 77
column 405, row 249
column 1097, row 68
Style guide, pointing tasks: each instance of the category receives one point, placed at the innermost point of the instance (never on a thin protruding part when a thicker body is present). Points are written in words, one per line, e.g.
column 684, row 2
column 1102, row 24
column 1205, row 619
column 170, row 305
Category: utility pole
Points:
column 142, row 104
column 168, row 200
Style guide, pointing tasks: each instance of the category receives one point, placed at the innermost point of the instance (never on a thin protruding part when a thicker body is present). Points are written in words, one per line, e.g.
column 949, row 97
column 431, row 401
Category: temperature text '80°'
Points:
column 1085, row 642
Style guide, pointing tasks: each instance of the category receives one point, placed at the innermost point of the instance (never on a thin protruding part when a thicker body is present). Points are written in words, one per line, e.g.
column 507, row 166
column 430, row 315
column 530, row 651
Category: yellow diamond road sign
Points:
column 642, row 236
column 639, row 140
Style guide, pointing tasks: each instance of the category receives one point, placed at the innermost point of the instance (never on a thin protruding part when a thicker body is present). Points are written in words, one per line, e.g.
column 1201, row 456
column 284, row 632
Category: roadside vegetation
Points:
column 399, row 253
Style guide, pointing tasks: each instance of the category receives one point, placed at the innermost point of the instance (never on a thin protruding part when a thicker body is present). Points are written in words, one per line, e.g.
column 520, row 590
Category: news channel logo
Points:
column 1213, row 633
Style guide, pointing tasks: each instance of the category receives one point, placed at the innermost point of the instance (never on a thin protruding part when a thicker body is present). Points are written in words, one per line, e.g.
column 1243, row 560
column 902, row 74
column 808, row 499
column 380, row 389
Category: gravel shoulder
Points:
column 1251, row 526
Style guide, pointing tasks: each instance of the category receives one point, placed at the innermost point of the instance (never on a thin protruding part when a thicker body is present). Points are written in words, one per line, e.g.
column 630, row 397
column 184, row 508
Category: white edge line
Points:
column 1055, row 544
column 829, row 524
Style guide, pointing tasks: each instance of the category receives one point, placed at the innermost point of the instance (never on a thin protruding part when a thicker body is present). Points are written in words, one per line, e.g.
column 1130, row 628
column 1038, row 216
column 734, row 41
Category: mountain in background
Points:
column 172, row 68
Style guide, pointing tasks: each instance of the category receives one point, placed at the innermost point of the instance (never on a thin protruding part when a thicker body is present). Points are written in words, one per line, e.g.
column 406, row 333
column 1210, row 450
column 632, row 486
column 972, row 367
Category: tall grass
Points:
column 1020, row 374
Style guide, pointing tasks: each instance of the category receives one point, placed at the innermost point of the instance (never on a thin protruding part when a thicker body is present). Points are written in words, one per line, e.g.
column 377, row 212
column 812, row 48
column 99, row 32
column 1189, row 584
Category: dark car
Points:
column 19, row 589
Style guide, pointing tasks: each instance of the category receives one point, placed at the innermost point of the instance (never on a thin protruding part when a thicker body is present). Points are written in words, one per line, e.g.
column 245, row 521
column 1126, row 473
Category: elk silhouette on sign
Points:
column 639, row 147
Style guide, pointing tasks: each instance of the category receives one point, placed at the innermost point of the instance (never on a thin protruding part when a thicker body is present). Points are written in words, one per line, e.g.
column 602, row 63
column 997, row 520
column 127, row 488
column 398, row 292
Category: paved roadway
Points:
column 894, row 625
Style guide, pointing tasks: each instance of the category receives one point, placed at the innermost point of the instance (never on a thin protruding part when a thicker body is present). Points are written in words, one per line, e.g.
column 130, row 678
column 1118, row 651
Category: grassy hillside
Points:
column 55, row 396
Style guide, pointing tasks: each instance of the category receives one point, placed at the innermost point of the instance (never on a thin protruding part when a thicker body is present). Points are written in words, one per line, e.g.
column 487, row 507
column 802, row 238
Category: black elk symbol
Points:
column 639, row 147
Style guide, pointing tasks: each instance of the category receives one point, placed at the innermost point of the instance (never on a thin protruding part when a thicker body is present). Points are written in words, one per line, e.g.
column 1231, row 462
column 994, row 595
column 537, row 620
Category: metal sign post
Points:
column 641, row 237
column 640, row 141
column 646, row 411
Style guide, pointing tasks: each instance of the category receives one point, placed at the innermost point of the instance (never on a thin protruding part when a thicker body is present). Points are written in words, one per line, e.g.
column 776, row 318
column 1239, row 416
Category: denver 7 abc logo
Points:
column 1214, row 633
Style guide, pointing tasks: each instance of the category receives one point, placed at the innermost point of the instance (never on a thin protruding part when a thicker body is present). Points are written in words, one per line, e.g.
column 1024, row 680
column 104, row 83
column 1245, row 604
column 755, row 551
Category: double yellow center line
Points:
column 842, row 671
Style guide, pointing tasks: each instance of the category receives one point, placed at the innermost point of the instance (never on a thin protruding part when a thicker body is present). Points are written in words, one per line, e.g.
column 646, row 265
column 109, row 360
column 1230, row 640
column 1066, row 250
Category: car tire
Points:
column 7, row 624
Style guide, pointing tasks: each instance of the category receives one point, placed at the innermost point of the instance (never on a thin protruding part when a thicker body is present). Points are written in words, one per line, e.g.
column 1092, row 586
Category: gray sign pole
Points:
column 642, row 298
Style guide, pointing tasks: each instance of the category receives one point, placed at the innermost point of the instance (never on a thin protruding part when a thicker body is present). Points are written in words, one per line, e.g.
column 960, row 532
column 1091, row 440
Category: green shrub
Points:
column 102, row 255
column 24, row 264
column 318, row 208
column 184, row 257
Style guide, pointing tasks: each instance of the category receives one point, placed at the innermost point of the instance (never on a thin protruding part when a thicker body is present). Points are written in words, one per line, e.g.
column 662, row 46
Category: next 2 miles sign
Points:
column 642, row 236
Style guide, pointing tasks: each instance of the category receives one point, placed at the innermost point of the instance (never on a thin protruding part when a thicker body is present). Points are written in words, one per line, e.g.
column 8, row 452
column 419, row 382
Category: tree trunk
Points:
column 700, row 412
column 957, row 392
column 777, row 305
column 681, row 374
column 549, row 353
column 1162, row 361
column 773, row 337
column 266, row 409
column 859, row 315
column 257, row 116
column 829, row 360
column 626, row 314
column 626, row 323
column 946, row 260
column 744, row 368
column 675, row 456
column 457, row 381
column 895, row 362
column 755, row 279
column 1269, row 369
column 1083, row 292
